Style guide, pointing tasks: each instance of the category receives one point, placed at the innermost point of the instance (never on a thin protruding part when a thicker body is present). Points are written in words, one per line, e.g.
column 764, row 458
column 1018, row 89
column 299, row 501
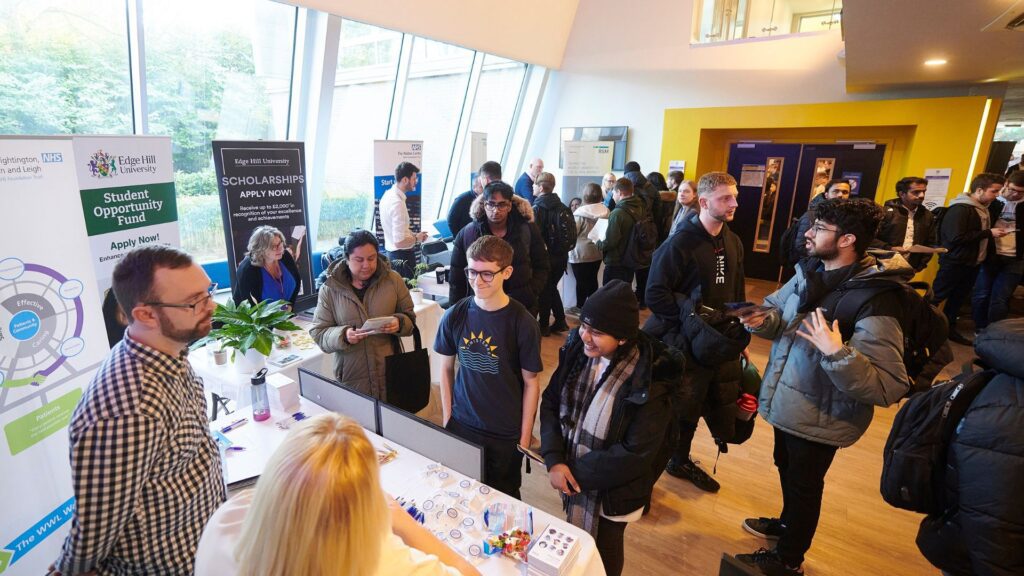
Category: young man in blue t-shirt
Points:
column 494, row 398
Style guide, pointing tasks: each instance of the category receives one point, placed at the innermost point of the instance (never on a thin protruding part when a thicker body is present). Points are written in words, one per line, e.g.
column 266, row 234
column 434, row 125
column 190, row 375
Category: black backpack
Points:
column 642, row 242
column 559, row 229
column 915, row 454
column 925, row 330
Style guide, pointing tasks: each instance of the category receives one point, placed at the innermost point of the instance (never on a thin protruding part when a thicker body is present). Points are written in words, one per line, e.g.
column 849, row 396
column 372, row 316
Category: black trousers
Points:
column 687, row 429
column 953, row 284
column 802, row 466
column 586, row 280
column 503, row 463
column 550, row 301
column 617, row 272
column 403, row 261
column 641, row 285
column 610, row 543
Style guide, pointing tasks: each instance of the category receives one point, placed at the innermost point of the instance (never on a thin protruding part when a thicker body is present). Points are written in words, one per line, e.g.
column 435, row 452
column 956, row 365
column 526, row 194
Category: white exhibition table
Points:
column 401, row 477
column 226, row 381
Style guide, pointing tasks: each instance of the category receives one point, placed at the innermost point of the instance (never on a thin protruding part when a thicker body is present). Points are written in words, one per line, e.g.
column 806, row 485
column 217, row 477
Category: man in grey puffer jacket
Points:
column 819, row 392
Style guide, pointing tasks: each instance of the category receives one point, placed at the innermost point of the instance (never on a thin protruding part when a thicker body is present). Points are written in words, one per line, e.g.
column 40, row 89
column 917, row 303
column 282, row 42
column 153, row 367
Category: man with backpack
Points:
column 707, row 257
column 965, row 230
column 976, row 526
column 648, row 192
column 628, row 210
column 558, row 228
column 821, row 385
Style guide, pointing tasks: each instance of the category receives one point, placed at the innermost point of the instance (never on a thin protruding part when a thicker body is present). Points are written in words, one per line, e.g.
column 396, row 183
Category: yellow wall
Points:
column 918, row 134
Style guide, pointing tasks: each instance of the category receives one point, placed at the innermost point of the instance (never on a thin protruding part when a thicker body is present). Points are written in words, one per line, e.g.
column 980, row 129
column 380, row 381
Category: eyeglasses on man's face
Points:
column 819, row 228
column 199, row 302
column 485, row 275
column 498, row 205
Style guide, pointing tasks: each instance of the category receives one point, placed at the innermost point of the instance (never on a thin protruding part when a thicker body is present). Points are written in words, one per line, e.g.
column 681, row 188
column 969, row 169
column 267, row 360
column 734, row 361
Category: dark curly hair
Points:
column 858, row 216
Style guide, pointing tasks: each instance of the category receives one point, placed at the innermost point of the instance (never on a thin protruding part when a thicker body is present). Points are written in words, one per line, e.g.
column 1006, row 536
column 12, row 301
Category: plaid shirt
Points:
column 146, row 471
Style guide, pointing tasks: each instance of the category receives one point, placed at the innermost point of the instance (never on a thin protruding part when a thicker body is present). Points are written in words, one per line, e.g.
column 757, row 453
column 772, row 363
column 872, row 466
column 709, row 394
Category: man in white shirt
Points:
column 399, row 239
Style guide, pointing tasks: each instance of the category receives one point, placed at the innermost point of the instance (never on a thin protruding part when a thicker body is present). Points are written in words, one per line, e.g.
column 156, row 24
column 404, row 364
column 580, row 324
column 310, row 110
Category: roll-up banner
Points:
column 52, row 340
column 477, row 154
column 127, row 189
column 584, row 162
column 388, row 154
column 263, row 183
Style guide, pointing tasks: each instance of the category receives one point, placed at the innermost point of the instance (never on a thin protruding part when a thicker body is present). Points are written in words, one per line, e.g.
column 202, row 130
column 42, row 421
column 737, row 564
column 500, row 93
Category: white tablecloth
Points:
column 228, row 382
column 400, row 477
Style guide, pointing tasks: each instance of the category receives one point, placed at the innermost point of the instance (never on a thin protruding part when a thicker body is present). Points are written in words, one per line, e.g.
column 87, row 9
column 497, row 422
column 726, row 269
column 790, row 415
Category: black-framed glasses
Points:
column 484, row 275
column 202, row 301
column 818, row 229
column 498, row 205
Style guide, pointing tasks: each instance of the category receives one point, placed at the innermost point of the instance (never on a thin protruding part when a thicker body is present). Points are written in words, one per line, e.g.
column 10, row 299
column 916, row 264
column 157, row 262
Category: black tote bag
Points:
column 407, row 376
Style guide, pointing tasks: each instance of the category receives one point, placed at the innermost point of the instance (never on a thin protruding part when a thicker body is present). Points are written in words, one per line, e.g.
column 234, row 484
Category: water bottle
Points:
column 260, row 401
column 747, row 405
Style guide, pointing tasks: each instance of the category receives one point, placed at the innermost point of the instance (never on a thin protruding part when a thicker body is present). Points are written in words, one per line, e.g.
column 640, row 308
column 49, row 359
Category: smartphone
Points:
column 530, row 454
column 738, row 305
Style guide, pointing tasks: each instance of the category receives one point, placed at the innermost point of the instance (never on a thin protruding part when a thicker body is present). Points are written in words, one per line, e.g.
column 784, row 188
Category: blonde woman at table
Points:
column 605, row 418
column 269, row 271
column 359, row 287
column 318, row 509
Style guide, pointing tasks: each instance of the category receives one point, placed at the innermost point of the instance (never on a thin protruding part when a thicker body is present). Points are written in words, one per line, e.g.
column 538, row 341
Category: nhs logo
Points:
column 51, row 157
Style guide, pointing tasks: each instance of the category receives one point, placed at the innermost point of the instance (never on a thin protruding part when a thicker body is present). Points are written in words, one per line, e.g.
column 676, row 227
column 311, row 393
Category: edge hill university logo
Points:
column 102, row 165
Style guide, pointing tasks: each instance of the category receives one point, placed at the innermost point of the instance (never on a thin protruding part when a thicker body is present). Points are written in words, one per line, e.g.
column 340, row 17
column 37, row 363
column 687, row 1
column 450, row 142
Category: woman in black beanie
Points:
column 605, row 417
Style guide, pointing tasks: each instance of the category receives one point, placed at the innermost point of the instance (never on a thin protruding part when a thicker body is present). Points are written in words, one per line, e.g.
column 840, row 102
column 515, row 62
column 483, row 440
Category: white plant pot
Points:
column 250, row 362
column 417, row 295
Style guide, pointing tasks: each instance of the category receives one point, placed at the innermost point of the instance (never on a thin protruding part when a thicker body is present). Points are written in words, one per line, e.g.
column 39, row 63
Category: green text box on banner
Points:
column 126, row 207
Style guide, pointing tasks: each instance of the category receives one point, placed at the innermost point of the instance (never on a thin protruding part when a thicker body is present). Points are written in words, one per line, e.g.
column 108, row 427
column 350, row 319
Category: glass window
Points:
column 724, row 20
column 495, row 105
column 225, row 75
column 64, row 67
column 364, row 85
column 434, row 96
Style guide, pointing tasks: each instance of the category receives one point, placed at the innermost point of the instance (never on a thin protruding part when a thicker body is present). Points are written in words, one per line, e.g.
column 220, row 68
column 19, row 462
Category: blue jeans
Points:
column 993, row 289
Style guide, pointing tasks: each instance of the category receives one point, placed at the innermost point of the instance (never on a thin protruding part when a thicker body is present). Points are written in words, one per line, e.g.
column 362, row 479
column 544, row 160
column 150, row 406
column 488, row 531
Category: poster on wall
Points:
column 583, row 162
column 127, row 189
column 854, row 178
column 52, row 340
column 263, row 183
column 477, row 153
column 823, row 168
column 938, row 186
column 387, row 154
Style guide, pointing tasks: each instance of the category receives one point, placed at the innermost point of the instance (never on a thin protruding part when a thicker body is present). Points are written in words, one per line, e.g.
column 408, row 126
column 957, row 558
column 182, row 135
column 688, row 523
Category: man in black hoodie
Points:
column 704, row 254
column 966, row 232
column 558, row 229
column 650, row 195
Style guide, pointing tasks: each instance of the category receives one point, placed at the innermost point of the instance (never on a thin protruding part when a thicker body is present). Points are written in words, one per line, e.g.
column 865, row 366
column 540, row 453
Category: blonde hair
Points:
column 260, row 243
column 319, row 508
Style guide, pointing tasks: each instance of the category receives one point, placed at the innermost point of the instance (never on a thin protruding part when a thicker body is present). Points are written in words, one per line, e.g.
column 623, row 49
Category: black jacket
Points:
column 530, row 265
column 995, row 210
column 961, row 233
column 644, row 189
column 622, row 469
column 458, row 215
column 982, row 534
column 249, row 280
column 894, row 228
column 545, row 213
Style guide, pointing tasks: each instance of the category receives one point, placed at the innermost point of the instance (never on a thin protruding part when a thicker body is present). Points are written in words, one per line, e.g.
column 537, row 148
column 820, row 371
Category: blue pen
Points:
column 235, row 448
column 233, row 425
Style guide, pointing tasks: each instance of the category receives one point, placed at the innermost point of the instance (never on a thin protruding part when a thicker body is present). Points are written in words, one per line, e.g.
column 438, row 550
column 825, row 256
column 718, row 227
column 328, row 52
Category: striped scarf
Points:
column 585, row 413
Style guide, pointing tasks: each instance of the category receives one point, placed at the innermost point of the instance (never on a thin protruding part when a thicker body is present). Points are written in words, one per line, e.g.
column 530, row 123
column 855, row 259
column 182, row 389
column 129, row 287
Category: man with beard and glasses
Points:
column 819, row 391
column 145, row 470
column 704, row 257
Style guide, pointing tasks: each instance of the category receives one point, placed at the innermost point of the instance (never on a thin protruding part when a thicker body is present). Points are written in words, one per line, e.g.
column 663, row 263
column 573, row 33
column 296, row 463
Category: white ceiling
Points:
column 887, row 42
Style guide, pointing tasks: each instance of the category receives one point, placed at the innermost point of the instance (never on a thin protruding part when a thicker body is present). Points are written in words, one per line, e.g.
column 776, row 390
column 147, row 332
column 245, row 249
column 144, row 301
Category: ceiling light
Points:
column 935, row 62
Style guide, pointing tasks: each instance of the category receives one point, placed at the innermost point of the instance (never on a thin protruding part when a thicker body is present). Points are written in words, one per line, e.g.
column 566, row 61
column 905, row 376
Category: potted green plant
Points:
column 247, row 330
column 413, row 283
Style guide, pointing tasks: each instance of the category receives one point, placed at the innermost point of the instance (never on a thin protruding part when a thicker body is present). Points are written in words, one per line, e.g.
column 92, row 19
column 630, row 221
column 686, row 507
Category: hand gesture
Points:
column 755, row 319
column 354, row 336
column 561, row 479
column 825, row 338
column 391, row 328
column 1000, row 232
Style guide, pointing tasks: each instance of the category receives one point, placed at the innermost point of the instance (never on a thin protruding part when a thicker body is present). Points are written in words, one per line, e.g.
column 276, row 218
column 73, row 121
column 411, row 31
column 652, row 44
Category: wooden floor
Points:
column 687, row 530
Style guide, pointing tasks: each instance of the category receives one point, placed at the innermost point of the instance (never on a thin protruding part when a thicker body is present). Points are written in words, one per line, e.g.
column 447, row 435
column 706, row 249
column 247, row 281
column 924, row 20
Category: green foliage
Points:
column 201, row 183
column 250, row 325
column 201, row 227
column 339, row 216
